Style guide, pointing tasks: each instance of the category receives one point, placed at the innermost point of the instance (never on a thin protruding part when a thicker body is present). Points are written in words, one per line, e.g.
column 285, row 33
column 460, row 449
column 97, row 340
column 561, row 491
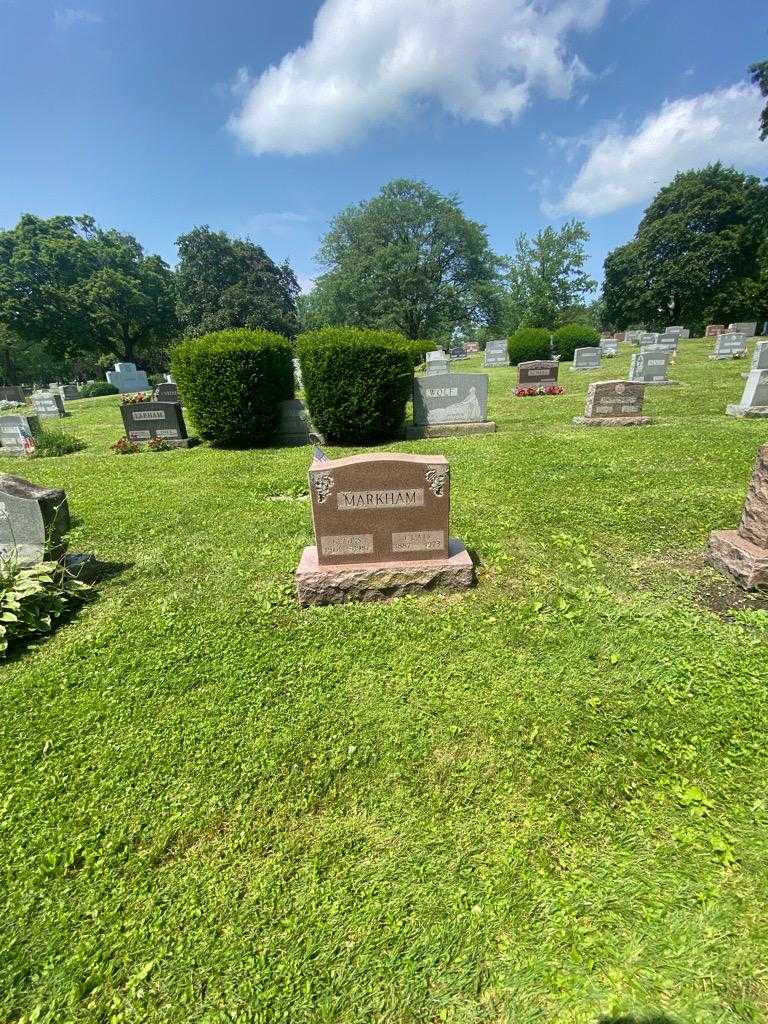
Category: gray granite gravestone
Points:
column 458, row 352
column 70, row 392
column 614, row 403
column 747, row 329
column 730, row 346
column 13, row 394
column 650, row 368
column 682, row 333
column 754, row 401
column 18, row 433
column 537, row 373
column 496, row 353
column 437, row 363
column 48, row 405
column 295, row 427
column 165, row 392
column 609, row 347
column 33, row 521
column 586, row 359
column 144, row 421
column 450, row 404
column 633, row 337
column 649, row 338
column 127, row 379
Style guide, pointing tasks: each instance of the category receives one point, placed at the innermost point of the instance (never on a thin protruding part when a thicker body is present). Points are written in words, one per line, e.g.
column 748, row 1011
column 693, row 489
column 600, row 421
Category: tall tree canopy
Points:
column 759, row 73
column 224, row 282
column 698, row 254
column 546, row 281
column 78, row 290
column 408, row 259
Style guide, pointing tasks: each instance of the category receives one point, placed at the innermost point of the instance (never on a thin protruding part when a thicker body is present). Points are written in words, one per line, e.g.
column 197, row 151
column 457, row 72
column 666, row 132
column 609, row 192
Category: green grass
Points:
column 542, row 801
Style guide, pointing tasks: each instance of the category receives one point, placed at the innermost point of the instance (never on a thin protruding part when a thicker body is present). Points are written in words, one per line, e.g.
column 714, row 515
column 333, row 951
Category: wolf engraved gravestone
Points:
column 127, row 379
column 496, row 353
column 450, row 404
column 18, row 433
column 145, row 421
column 754, row 401
column 614, row 403
column 381, row 525
column 730, row 346
column 586, row 359
column 48, row 405
column 743, row 553
column 537, row 373
column 33, row 521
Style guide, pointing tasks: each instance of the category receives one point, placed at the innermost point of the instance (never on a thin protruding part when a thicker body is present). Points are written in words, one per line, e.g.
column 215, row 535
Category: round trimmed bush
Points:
column 97, row 389
column 567, row 339
column 232, row 383
column 529, row 343
column 357, row 382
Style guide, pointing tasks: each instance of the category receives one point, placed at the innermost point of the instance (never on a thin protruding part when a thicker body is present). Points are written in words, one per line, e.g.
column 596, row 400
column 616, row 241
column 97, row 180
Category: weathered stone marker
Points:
column 614, row 403
column 450, row 404
column 680, row 332
column 381, row 526
column 18, row 433
column 166, row 392
column 586, row 359
column 648, row 339
column 33, row 521
column 537, row 373
column 650, row 367
column 69, row 392
column 747, row 329
column 743, row 553
column 127, row 379
column 496, row 353
column 144, row 421
column 472, row 347
column 609, row 347
column 458, row 351
column 438, row 362
column 754, row 401
column 10, row 393
column 730, row 346
column 48, row 405
column 759, row 358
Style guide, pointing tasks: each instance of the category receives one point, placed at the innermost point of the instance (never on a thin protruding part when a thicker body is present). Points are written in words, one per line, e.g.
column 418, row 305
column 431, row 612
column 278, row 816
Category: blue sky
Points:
column 251, row 116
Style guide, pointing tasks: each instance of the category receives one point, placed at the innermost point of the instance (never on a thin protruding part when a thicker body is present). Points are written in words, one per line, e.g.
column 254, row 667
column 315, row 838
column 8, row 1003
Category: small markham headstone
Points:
column 743, row 553
column 496, row 353
column 586, row 359
column 48, row 405
column 165, row 392
column 18, row 433
column 609, row 347
column 70, row 392
column 650, row 368
column 381, row 524
column 713, row 330
column 127, row 379
column 614, row 403
column 730, row 346
column 537, row 373
column 437, row 362
column 754, row 401
column 450, row 404
column 747, row 329
column 33, row 521
column 144, row 421
column 295, row 427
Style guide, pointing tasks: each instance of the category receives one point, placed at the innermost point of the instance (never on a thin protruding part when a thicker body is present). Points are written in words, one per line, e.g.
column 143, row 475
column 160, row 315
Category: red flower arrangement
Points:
column 140, row 396
column 124, row 446
column 551, row 389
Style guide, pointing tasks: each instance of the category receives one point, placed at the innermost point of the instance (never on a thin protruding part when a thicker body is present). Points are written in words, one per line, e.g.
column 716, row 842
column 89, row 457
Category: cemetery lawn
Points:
column 541, row 801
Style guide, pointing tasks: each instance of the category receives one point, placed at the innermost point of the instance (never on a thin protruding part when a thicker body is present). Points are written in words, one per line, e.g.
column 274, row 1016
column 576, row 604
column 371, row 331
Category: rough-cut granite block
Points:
column 740, row 558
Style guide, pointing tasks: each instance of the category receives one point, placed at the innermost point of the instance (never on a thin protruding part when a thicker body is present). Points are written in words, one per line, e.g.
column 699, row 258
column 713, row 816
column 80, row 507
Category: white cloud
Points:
column 624, row 167
column 70, row 16
column 279, row 224
column 373, row 61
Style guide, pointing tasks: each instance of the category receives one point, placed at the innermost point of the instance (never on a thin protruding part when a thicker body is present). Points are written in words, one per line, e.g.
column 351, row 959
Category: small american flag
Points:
column 319, row 455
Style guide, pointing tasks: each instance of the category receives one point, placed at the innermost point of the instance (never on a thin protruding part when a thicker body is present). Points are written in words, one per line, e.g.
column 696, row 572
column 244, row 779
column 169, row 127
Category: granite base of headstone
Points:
column 754, row 401
column 18, row 434
column 743, row 553
column 295, row 428
column 381, row 525
column 147, row 421
column 614, row 403
column 451, row 405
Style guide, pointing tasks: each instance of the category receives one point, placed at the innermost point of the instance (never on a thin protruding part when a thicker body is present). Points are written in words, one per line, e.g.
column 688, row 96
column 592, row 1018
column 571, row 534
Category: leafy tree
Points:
column 759, row 73
column 408, row 259
column 701, row 234
column 225, row 283
column 546, row 280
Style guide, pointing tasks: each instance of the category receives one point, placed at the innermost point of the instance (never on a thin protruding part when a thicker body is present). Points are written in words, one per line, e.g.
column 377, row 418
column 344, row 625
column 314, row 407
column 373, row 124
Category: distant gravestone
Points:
column 650, row 368
column 621, row 336
column 730, row 346
column 472, row 347
column 747, row 329
column 165, row 393
column 586, row 359
column 713, row 330
column 450, row 404
column 18, row 433
column 437, row 363
column 294, row 427
column 144, row 421
column 754, row 401
column 70, row 392
column 614, row 403
column 743, row 553
column 496, row 353
column 648, row 339
column 609, row 347
column 682, row 333
column 537, row 373
column 33, row 521
column 48, row 405
column 633, row 337
column 298, row 379
column 665, row 343
column 381, row 524
column 13, row 394
column 458, row 351
column 127, row 379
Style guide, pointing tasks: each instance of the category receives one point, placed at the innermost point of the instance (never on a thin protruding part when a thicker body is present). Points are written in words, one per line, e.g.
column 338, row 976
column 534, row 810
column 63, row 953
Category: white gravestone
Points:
column 754, row 401
column 127, row 379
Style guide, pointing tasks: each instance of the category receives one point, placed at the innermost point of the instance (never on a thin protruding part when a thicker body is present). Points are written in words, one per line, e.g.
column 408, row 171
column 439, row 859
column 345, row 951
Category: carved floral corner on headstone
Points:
column 323, row 485
column 437, row 477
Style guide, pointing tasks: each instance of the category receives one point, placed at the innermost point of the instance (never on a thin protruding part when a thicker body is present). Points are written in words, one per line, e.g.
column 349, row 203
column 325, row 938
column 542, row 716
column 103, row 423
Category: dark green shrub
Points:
column 232, row 383
column 572, row 336
column 529, row 343
column 97, row 388
column 50, row 442
column 357, row 382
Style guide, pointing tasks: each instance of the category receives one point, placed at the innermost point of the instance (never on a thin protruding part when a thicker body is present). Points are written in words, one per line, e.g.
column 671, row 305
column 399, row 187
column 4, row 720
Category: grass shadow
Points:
column 630, row 1018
